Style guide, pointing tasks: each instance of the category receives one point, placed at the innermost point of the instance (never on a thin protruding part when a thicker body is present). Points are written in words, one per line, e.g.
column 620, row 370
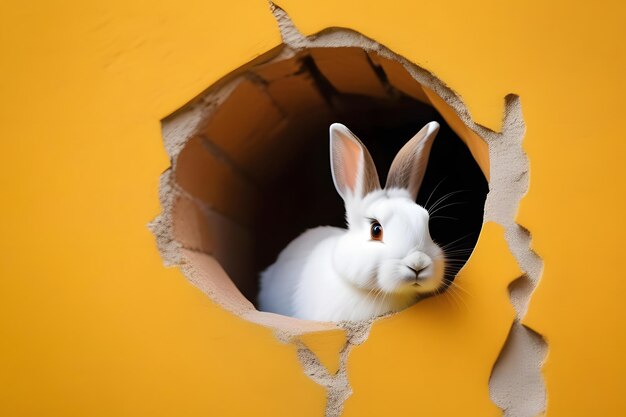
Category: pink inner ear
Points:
column 350, row 160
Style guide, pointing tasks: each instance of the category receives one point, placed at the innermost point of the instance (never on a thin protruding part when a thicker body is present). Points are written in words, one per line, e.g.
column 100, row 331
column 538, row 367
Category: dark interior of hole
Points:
column 304, row 195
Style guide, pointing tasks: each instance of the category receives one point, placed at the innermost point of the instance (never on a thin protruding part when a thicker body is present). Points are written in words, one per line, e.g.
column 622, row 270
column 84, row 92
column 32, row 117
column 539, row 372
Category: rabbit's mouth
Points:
column 425, row 278
column 420, row 274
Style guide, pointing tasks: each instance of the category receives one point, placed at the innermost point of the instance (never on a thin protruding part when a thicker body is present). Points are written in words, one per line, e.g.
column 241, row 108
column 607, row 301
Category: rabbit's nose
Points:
column 417, row 271
column 420, row 265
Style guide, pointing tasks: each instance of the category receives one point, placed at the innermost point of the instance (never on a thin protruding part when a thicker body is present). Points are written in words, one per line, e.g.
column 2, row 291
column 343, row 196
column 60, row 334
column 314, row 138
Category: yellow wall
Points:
column 92, row 324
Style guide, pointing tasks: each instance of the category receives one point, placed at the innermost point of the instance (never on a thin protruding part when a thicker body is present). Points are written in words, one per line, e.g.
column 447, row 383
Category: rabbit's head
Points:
column 387, row 248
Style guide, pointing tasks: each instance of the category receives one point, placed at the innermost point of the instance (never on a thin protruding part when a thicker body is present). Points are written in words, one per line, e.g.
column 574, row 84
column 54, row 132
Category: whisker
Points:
column 447, row 245
column 442, row 199
column 459, row 251
column 378, row 293
column 458, row 296
column 458, row 287
column 443, row 217
column 382, row 302
column 448, row 205
column 433, row 192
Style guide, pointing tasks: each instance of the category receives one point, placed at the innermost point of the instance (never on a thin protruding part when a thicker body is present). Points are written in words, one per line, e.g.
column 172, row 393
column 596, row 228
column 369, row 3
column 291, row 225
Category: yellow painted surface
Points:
column 435, row 359
column 575, row 208
column 326, row 346
column 92, row 324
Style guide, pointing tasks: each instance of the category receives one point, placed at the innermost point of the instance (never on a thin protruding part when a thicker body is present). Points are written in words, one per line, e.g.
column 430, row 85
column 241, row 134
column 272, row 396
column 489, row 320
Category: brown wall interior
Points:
column 257, row 173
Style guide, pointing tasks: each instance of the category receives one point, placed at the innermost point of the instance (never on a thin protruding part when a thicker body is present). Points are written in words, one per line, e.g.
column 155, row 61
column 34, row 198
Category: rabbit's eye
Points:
column 376, row 231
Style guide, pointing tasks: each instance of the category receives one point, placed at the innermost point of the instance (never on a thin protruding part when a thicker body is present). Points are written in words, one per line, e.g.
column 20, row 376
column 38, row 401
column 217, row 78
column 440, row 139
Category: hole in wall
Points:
column 251, row 168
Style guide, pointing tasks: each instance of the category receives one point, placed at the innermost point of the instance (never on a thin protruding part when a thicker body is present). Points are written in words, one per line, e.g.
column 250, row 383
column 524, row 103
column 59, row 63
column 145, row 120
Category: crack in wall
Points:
column 337, row 385
column 516, row 384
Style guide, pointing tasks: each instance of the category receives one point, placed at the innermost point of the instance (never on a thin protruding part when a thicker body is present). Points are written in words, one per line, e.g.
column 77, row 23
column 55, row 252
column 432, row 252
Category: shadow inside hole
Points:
column 303, row 196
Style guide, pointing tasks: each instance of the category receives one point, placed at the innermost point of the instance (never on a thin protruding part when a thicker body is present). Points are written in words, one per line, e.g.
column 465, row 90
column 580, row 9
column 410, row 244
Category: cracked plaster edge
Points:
column 161, row 226
column 172, row 254
column 524, row 350
column 516, row 384
column 337, row 386
column 178, row 127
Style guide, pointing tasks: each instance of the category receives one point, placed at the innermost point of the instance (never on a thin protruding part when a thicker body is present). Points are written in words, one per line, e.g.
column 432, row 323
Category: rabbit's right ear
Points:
column 409, row 166
column 353, row 169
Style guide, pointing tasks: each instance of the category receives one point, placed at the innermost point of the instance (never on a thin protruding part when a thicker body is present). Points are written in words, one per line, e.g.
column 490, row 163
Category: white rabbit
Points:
column 386, row 258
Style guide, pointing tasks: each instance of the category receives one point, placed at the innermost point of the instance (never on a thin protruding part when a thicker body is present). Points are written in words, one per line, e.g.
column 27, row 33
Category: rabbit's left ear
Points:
column 408, row 167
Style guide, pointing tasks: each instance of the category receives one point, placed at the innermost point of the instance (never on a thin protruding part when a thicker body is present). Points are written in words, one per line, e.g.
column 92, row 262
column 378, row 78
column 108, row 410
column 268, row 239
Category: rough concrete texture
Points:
column 516, row 385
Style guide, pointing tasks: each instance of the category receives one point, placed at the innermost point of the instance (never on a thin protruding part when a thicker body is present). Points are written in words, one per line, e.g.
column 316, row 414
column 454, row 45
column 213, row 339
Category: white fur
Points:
column 334, row 274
